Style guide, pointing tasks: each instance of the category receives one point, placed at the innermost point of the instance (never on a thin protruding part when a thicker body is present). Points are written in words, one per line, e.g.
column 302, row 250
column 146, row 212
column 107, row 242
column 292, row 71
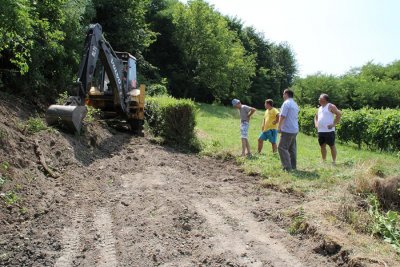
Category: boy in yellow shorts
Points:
column 269, row 126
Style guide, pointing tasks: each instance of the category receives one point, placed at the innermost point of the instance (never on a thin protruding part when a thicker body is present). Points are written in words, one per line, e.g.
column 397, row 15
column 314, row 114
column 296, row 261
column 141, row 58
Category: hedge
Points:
column 375, row 128
column 172, row 119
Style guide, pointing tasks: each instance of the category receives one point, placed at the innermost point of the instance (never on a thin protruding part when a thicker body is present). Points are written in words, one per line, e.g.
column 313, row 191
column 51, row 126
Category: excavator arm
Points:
column 72, row 113
column 97, row 47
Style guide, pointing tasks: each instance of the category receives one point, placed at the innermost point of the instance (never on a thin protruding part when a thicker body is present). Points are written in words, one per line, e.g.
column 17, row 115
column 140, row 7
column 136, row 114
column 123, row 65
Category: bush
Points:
column 354, row 126
column 306, row 120
column 174, row 120
column 384, row 130
column 375, row 128
column 156, row 90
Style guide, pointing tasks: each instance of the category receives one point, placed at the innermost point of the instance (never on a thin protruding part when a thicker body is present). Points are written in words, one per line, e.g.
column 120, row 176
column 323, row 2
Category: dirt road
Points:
column 128, row 202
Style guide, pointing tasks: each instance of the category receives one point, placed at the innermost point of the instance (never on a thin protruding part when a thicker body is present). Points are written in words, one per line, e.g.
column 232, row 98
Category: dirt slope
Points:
column 123, row 201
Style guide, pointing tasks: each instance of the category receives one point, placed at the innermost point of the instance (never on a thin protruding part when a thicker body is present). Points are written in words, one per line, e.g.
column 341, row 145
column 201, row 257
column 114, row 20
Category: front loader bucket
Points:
column 68, row 117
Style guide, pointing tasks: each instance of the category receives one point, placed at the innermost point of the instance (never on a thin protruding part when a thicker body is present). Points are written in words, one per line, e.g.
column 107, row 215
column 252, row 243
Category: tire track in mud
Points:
column 237, row 232
column 71, row 239
column 106, row 247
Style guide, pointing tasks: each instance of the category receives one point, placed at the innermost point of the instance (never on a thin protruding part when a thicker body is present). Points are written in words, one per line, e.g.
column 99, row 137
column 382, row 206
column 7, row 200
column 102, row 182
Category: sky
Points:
column 327, row 36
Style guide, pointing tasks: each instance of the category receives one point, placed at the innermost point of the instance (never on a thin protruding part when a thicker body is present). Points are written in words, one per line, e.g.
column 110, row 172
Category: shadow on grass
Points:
column 305, row 175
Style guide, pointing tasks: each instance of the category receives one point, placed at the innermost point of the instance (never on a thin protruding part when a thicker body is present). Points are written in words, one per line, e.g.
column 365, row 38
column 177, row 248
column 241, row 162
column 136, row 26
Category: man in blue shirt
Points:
column 288, row 127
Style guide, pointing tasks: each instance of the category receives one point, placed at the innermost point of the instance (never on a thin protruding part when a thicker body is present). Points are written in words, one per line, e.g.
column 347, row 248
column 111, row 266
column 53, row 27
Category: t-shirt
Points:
column 244, row 113
column 269, row 118
column 290, row 110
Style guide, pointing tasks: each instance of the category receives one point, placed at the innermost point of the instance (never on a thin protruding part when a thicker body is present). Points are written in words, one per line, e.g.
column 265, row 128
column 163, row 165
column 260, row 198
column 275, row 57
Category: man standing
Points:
column 245, row 113
column 325, row 120
column 269, row 126
column 288, row 127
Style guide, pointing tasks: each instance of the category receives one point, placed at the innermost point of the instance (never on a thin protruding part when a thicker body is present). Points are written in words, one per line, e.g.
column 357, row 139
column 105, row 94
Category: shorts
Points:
column 270, row 135
column 326, row 138
column 244, row 129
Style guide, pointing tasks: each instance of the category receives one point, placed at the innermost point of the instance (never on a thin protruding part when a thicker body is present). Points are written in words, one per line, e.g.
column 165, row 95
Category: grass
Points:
column 11, row 197
column 218, row 129
column 355, row 172
column 34, row 125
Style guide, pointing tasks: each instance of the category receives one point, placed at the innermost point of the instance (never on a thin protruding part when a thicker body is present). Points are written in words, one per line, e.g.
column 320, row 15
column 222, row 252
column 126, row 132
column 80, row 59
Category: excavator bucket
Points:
column 67, row 117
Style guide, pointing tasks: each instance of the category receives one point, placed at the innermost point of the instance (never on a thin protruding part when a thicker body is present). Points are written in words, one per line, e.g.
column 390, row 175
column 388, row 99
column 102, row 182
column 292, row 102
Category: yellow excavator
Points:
column 107, row 81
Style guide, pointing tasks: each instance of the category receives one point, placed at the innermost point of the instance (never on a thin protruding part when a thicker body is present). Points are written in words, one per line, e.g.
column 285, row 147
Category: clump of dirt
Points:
column 387, row 190
column 328, row 248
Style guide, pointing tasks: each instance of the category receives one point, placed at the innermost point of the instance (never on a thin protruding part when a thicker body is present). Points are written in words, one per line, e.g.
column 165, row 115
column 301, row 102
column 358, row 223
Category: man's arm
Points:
column 251, row 112
column 338, row 114
column 282, row 116
column 276, row 119
column 316, row 120
column 281, row 122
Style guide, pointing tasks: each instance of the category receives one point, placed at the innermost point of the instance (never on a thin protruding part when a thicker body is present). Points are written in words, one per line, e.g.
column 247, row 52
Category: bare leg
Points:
column 334, row 153
column 260, row 145
column 323, row 152
column 274, row 148
column 244, row 146
column 248, row 147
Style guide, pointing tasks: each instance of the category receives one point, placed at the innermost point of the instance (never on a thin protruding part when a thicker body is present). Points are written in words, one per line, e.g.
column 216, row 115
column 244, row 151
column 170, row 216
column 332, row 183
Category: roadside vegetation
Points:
column 188, row 50
column 218, row 128
column 371, row 85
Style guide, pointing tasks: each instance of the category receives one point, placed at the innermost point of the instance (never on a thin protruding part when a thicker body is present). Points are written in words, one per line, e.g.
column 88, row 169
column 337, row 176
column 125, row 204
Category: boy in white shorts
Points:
column 245, row 113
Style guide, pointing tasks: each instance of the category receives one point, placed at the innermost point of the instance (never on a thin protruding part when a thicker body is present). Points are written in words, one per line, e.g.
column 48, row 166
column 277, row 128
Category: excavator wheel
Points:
column 136, row 126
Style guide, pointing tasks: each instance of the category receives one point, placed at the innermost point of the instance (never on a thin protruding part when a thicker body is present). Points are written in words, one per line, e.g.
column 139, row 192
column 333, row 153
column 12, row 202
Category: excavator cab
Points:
column 104, row 97
column 107, row 80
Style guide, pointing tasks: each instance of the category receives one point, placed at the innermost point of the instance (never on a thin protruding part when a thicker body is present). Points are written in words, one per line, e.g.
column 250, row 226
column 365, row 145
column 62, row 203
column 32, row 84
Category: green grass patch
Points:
column 385, row 224
column 11, row 198
column 35, row 125
column 218, row 130
column 4, row 172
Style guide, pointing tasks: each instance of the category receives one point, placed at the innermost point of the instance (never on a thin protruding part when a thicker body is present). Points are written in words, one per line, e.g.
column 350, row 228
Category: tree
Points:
column 275, row 64
column 124, row 24
column 16, row 31
column 371, row 85
column 42, row 40
column 215, row 65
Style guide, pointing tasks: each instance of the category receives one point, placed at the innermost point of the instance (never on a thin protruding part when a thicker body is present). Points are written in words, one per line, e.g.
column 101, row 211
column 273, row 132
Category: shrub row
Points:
column 375, row 128
column 172, row 119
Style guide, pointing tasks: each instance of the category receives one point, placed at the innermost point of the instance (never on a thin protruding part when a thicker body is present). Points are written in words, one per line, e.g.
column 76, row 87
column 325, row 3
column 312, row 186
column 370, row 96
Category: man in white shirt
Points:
column 325, row 120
